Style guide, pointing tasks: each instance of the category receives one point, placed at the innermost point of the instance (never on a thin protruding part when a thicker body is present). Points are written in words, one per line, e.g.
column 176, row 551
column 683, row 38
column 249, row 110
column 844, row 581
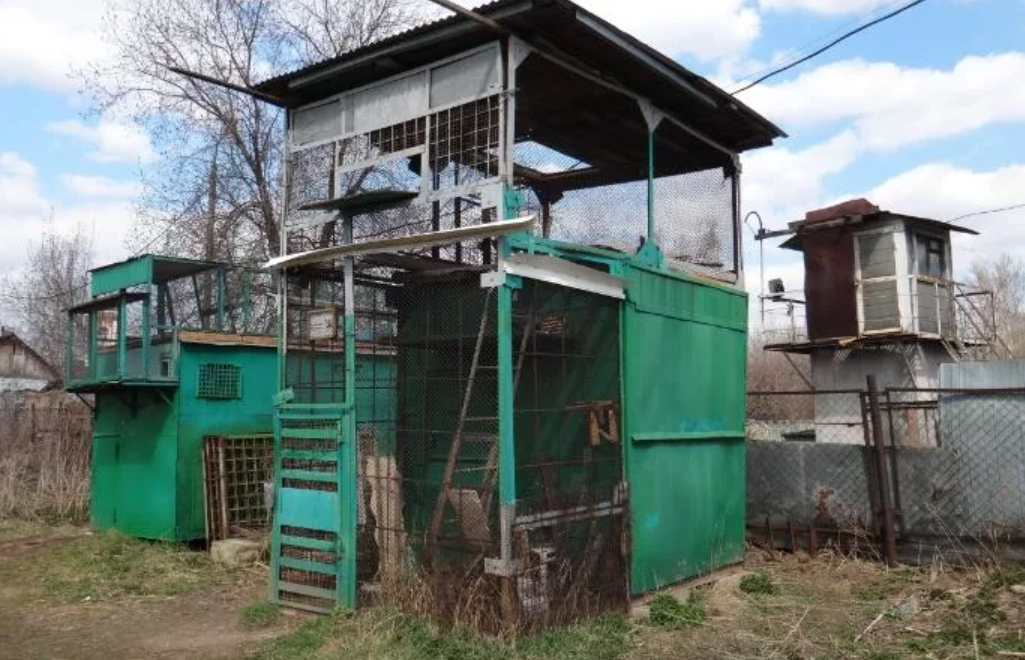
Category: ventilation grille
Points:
column 220, row 381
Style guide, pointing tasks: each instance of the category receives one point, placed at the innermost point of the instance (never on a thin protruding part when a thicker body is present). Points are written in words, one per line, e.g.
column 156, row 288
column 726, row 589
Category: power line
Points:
column 831, row 44
column 1013, row 207
column 798, row 52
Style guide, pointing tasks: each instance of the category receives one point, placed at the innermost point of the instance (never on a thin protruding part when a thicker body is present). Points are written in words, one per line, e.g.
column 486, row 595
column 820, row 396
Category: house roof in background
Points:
column 9, row 337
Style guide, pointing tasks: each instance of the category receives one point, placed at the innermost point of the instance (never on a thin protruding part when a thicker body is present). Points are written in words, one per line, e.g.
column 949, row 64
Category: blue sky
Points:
column 923, row 114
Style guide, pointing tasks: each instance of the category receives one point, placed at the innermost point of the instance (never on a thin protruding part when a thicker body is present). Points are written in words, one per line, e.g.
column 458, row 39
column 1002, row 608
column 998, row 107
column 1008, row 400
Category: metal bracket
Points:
column 492, row 279
column 520, row 51
column 284, row 396
column 652, row 115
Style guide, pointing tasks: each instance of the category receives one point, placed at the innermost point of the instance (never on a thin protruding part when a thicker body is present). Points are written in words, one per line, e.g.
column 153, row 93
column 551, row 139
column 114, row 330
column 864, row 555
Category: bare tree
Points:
column 1004, row 275
column 55, row 278
column 216, row 190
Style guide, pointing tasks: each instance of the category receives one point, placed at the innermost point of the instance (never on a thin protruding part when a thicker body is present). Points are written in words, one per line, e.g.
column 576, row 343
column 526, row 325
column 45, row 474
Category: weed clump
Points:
column 668, row 612
column 758, row 584
column 256, row 616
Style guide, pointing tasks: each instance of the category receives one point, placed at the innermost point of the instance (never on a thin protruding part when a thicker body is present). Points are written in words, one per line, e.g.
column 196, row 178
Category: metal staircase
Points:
column 976, row 337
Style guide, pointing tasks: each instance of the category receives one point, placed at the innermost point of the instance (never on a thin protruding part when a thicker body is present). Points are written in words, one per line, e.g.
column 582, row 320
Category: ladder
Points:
column 473, row 504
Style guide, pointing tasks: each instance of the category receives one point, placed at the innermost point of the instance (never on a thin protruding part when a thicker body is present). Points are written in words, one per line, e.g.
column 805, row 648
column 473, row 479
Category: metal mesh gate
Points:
column 311, row 547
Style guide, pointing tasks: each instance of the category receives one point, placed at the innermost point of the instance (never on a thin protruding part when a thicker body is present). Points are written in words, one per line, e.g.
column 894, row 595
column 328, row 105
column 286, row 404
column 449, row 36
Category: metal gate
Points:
column 313, row 545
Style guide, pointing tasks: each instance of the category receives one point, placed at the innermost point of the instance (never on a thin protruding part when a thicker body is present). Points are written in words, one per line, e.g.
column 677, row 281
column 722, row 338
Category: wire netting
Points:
column 238, row 471
column 570, row 531
column 952, row 459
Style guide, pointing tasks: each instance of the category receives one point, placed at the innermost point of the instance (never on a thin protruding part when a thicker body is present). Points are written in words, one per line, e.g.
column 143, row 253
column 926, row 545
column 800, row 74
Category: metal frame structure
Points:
column 460, row 308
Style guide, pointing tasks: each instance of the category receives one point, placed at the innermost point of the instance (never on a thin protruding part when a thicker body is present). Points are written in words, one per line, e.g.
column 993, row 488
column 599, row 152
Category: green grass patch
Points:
column 759, row 583
column 384, row 634
column 259, row 615
column 110, row 565
column 668, row 612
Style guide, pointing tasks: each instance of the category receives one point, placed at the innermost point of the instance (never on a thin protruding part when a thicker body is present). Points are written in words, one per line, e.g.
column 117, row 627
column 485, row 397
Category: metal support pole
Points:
column 889, row 533
column 221, row 284
column 122, row 338
column 651, row 186
column 349, row 480
column 146, row 331
column 91, row 371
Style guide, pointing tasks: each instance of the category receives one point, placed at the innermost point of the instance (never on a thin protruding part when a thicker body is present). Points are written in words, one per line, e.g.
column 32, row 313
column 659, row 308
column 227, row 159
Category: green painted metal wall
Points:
column 147, row 449
column 135, row 456
column 684, row 367
column 253, row 413
column 112, row 278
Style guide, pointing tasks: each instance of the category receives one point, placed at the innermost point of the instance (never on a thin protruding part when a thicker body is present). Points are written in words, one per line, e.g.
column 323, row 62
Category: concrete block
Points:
column 236, row 552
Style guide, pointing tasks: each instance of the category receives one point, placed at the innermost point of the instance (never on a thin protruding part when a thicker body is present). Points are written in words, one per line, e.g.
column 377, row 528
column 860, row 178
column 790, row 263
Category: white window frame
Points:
column 900, row 259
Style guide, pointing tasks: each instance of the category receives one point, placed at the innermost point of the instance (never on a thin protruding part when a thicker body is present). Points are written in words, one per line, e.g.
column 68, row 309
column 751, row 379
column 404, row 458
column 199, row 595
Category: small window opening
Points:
column 932, row 257
column 219, row 381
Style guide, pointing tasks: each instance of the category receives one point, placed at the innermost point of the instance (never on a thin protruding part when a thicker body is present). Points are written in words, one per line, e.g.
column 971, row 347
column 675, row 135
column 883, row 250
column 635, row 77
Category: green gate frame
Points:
column 332, row 511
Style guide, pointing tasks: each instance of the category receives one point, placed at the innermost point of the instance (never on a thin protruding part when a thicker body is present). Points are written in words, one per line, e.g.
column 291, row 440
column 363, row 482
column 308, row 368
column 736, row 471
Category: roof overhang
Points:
column 560, row 27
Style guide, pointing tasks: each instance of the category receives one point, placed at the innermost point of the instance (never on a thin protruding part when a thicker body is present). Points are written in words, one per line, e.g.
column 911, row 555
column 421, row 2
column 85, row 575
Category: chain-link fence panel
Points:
column 961, row 455
column 809, row 467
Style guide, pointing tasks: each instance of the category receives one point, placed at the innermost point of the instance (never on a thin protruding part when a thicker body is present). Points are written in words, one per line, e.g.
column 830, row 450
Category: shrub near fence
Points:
column 45, row 444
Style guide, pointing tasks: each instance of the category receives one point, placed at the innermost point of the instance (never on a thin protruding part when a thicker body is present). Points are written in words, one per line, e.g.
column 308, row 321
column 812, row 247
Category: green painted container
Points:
column 147, row 466
column 684, row 371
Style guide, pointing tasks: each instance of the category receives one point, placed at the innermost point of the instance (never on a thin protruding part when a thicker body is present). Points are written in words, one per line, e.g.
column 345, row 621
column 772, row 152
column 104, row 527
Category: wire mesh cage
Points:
column 237, row 473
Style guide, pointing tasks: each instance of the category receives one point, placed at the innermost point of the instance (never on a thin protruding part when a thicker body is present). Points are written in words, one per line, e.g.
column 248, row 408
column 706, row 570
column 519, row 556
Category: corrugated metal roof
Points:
column 396, row 38
column 557, row 25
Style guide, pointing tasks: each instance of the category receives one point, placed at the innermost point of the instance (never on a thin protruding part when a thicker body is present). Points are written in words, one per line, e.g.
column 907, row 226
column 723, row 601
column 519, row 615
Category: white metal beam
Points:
column 381, row 245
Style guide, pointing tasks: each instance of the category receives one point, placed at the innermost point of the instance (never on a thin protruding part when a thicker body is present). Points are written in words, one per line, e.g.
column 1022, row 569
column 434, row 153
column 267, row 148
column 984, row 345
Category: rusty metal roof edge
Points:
column 805, row 226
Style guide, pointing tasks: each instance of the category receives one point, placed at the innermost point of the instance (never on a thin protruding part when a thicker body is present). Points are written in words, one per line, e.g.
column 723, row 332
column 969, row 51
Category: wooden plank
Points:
column 226, row 339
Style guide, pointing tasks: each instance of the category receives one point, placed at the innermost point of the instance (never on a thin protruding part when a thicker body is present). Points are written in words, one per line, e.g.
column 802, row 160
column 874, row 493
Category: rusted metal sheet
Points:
column 829, row 287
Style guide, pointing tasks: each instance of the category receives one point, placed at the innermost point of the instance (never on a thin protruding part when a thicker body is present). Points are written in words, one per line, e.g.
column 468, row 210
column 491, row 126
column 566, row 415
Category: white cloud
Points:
column 114, row 141
column 19, row 189
column 26, row 209
column 894, row 106
column 705, row 29
column 828, row 7
column 40, row 40
column 944, row 191
column 779, row 183
column 100, row 187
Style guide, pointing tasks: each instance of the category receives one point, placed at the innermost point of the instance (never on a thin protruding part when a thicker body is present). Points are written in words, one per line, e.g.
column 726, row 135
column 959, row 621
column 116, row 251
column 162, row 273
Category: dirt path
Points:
column 22, row 547
column 200, row 625
column 196, row 626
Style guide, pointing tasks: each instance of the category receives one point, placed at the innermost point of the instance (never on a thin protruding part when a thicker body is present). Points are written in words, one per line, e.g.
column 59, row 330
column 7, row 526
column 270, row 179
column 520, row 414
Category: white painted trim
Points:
column 493, row 45
column 565, row 273
column 382, row 245
column 859, row 280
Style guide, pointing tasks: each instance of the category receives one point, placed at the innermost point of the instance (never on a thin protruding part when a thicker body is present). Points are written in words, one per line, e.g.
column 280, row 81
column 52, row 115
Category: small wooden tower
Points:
column 879, row 298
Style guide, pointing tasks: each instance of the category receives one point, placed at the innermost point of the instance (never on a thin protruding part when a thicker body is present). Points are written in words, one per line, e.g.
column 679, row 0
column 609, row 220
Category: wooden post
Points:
column 879, row 455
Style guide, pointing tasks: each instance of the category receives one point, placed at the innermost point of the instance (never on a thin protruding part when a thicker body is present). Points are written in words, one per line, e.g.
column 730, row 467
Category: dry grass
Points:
column 839, row 607
column 45, row 448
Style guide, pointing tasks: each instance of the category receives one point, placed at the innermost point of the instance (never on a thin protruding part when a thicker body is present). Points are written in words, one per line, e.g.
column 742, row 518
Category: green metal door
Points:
column 684, row 361
column 313, row 547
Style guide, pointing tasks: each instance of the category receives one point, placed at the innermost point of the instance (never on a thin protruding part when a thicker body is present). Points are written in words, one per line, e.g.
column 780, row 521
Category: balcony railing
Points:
column 940, row 309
